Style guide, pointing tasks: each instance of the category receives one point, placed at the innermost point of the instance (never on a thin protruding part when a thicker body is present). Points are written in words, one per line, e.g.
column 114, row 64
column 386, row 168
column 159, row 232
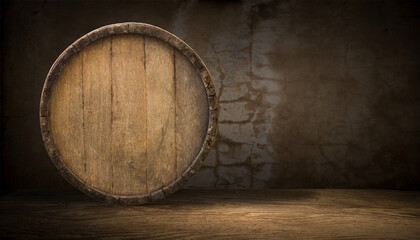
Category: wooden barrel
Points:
column 128, row 113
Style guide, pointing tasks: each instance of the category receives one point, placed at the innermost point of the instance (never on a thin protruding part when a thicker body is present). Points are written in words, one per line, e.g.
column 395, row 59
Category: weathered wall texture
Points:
column 313, row 94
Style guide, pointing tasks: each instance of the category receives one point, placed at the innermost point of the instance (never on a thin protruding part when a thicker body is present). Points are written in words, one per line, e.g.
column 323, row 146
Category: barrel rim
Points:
column 117, row 29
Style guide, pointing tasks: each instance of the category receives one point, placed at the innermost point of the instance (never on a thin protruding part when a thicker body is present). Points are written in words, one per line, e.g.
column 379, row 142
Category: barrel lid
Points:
column 118, row 29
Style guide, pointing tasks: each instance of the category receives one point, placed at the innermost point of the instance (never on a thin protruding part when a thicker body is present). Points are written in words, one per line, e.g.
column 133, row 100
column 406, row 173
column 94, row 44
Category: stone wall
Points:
column 313, row 94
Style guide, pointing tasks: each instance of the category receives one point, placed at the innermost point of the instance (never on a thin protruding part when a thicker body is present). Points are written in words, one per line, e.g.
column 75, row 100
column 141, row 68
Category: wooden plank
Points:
column 66, row 116
column 191, row 112
column 217, row 214
column 128, row 115
column 97, row 114
column 161, row 159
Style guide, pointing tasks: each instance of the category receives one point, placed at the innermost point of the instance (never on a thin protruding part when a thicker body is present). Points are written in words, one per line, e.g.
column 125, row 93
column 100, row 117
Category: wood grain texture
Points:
column 191, row 105
column 67, row 116
column 217, row 214
column 97, row 114
column 128, row 113
column 160, row 85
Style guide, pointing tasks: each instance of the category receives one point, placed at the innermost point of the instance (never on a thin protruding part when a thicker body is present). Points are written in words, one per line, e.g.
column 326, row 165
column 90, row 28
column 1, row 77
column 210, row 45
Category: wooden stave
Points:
column 117, row 29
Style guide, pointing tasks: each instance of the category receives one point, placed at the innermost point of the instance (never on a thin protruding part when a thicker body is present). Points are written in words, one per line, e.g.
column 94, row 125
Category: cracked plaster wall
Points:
column 313, row 94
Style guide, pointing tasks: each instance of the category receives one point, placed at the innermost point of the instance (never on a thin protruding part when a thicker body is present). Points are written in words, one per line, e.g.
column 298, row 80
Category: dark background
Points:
column 313, row 94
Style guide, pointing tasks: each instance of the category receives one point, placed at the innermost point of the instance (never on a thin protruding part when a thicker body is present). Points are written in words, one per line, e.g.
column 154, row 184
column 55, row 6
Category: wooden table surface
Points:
column 216, row 214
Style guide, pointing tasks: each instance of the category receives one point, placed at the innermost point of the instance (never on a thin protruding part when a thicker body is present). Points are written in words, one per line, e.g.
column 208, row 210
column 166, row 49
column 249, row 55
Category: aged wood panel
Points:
column 160, row 85
column 67, row 116
column 97, row 114
column 191, row 112
column 128, row 115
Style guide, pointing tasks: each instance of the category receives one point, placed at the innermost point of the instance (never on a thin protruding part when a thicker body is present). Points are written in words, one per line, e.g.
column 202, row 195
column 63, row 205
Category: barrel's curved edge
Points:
column 124, row 28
